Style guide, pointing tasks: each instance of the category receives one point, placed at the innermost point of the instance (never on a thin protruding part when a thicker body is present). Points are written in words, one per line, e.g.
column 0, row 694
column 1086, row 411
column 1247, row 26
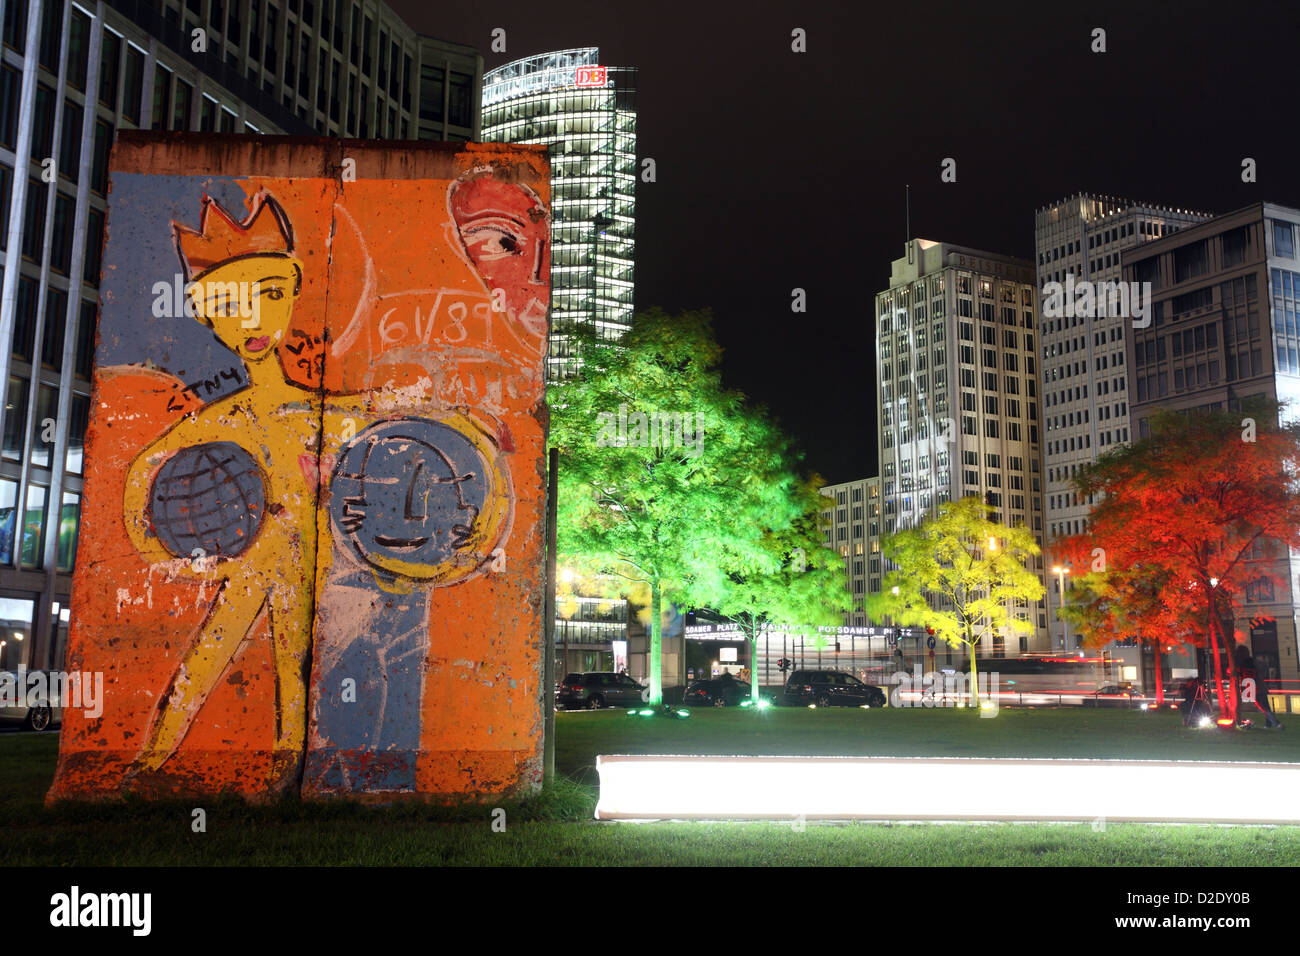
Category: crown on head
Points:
column 220, row 237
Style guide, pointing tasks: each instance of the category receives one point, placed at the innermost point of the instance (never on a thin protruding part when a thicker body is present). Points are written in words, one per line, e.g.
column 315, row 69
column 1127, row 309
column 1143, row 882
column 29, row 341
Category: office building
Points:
column 1084, row 382
column 451, row 91
column 586, row 112
column 72, row 75
column 958, row 409
column 1223, row 330
column 851, row 525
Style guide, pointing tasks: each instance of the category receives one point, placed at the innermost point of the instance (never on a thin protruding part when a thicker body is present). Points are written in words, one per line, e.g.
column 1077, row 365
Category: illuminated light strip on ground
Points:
column 949, row 788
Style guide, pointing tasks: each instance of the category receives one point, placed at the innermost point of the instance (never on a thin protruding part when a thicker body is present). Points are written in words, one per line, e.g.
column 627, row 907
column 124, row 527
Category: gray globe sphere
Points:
column 208, row 497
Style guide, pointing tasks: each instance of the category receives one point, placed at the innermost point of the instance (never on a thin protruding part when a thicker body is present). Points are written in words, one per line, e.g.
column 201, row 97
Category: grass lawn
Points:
column 556, row 828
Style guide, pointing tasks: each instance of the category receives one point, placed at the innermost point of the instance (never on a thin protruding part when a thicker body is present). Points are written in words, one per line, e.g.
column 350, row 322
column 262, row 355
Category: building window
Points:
column 61, row 234
column 162, row 95
column 25, row 318
column 1282, row 240
column 183, row 105
column 56, row 311
column 10, row 84
column 34, row 220
column 85, row 339
column 134, row 85
column 70, row 141
column 69, row 530
column 15, row 419
column 43, row 126
column 43, row 426
column 110, row 57
column 8, row 505
column 103, row 145
column 79, row 49
column 207, row 114
column 51, row 30
column 460, row 108
column 34, row 527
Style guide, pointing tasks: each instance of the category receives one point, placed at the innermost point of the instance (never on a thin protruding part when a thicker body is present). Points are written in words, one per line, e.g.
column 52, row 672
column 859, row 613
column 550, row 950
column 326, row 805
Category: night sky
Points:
column 779, row 170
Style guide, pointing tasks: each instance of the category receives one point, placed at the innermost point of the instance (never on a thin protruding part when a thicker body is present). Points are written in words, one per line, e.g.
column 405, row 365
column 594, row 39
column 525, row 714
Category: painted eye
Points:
column 275, row 295
column 491, row 240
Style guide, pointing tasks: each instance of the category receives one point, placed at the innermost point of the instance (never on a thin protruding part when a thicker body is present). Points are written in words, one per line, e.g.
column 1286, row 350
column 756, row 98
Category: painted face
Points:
column 507, row 235
column 249, row 302
column 417, row 498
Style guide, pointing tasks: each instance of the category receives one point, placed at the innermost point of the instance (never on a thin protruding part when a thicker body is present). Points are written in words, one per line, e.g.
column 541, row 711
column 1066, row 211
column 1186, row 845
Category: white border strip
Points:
column 955, row 788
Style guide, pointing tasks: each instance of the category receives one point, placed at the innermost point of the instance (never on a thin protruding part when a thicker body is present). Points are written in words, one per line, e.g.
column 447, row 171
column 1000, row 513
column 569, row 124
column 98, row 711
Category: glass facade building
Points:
column 71, row 75
column 586, row 113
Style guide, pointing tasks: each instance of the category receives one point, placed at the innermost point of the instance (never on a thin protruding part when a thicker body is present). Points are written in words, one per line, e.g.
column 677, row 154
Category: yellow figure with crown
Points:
column 222, row 494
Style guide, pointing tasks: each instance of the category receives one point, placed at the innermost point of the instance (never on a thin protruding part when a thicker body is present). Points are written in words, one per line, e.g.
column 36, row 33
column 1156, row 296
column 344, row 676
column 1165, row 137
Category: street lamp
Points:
column 1061, row 571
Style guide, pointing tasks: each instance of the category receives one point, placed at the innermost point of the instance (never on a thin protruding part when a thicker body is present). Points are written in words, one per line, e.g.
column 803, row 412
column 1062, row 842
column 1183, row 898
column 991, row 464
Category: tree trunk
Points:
column 1160, row 679
column 974, row 684
column 753, row 664
column 656, row 645
column 1218, row 667
column 1230, row 701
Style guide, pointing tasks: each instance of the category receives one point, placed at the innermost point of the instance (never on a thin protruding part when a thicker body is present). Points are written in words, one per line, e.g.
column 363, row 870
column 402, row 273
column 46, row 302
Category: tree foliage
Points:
column 959, row 572
column 1181, row 521
column 667, row 479
column 791, row 582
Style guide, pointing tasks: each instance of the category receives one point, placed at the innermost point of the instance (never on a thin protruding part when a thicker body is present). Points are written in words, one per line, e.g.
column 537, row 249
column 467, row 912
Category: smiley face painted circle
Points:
column 420, row 498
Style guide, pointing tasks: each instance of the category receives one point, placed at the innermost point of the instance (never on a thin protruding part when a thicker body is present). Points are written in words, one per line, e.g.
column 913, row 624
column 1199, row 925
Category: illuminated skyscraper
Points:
column 958, row 397
column 586, row 113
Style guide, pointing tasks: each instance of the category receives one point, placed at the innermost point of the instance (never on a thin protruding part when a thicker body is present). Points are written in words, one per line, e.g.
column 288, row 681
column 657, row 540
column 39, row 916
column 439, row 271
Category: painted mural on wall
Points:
column 313, row 531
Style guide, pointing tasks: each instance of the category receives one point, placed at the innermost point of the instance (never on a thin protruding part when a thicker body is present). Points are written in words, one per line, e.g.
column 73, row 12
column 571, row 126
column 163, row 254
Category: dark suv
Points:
column 597, row 689
column 831, row 689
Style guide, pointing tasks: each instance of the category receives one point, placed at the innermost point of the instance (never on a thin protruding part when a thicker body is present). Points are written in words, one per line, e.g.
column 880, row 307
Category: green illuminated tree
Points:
column 666, row 478
column 958, row 572
column 791, row 581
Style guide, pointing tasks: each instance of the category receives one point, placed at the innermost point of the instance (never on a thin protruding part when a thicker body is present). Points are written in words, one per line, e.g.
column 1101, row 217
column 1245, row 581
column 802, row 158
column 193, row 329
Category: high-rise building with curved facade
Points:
column 585, row 111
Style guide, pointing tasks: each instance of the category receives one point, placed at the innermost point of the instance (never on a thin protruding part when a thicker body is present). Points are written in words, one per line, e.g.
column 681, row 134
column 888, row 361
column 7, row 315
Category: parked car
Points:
column 596, row 689
column 39, row 717
column 831, row 689
column 724, row 691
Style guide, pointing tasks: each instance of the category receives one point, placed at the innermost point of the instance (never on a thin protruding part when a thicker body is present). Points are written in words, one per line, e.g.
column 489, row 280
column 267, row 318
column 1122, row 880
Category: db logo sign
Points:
column 645, row 694
column 590, row 76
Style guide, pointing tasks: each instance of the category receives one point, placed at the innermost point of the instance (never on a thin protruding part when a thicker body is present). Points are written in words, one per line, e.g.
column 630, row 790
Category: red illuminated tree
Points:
column 1181, row 522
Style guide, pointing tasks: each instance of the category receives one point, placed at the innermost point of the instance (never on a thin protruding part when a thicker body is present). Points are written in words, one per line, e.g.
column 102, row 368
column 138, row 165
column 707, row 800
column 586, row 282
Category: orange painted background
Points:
column 356, row 452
